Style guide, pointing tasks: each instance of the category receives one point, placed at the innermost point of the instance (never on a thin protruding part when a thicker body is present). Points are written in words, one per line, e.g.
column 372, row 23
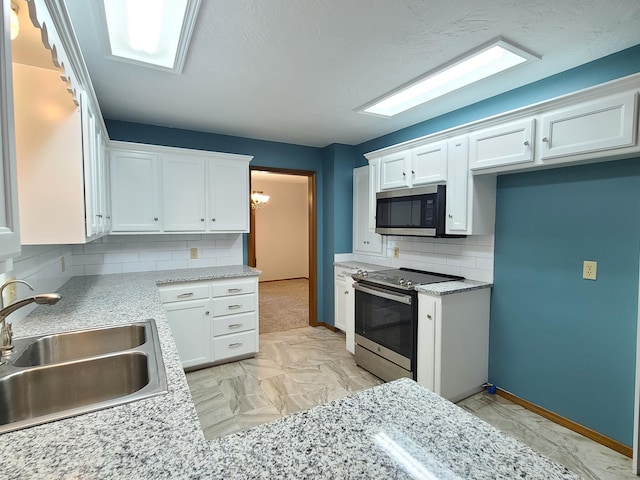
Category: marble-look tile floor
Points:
column 294, row 370
column 301, row 368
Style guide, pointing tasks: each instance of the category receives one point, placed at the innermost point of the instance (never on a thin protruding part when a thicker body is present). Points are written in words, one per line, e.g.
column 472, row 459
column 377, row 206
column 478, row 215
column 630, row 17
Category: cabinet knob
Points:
column 155, row 218
column 213, row 219
column 450, row 216
column 99, row 216
column 404, row 174
column 429, row 316
column 207, row 312
column 412, row 172
column 346, row 292
column 202, row 219
column 526, row 143
column 545, row 140
column 108, row 217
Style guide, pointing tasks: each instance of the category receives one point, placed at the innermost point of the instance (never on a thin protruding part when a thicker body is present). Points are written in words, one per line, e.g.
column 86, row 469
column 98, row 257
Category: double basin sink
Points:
column 50, row 377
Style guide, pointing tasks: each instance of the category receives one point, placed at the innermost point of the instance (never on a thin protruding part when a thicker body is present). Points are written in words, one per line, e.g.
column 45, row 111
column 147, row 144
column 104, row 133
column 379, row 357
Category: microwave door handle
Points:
column 383, row 293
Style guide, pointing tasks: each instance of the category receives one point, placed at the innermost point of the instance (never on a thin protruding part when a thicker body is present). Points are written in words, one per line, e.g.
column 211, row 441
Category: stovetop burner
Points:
column 405, row 278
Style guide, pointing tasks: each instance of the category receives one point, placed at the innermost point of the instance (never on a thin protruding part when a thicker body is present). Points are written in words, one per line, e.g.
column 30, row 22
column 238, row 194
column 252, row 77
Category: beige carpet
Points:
column 284, row 304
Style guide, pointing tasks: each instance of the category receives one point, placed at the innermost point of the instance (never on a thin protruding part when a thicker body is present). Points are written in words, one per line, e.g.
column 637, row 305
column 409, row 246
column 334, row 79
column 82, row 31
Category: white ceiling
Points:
column 295, row 70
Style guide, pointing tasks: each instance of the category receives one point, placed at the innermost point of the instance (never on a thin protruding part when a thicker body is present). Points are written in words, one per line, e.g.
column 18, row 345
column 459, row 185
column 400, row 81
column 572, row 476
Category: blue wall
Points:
column 562, row 342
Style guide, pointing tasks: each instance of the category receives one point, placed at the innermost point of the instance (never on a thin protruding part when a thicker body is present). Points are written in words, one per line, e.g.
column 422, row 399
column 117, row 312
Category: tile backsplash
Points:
column 470, row 257
column 143, row 253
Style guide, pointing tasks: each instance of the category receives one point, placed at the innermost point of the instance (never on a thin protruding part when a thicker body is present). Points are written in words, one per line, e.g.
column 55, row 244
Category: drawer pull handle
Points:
column 233, row 307
column 235, row 325
column 235, row 345
column 234, row 290
column 185, row 295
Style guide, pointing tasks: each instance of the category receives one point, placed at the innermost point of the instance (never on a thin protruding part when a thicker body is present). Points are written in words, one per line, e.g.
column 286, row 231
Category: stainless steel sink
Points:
column 62, row 347
column 123, row 365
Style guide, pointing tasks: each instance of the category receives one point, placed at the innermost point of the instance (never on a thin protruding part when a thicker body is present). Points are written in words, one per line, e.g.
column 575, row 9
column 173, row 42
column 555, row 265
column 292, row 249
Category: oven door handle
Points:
column 379, row 292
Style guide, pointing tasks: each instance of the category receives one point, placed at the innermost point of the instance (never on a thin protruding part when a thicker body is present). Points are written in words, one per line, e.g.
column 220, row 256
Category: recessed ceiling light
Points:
column 154, row 33
column 472, row 67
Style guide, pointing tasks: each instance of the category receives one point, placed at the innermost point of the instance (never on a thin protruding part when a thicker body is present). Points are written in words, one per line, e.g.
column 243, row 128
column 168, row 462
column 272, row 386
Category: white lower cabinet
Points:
column 453, row 342
column 344, row 304
column 213, row 321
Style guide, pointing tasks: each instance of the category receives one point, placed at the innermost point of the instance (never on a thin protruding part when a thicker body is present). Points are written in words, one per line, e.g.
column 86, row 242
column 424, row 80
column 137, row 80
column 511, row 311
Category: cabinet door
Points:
column 228, row 202
column 191, row 328
column 364, row 239
column 340, row 299
column 183, row 189
column 135, row 192
column 9, row 237
column 429, row 164
column 374, row 187
column 457, row 186
column 598, row 125
column 426, row 358
column 502, row 145
column 394, row 170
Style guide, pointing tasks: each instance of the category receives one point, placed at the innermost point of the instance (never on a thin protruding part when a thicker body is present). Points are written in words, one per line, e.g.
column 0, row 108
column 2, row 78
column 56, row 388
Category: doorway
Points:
column 282, row 242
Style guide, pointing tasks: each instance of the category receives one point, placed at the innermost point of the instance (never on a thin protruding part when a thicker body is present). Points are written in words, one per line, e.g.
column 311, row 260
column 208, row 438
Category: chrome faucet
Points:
column 6, row 333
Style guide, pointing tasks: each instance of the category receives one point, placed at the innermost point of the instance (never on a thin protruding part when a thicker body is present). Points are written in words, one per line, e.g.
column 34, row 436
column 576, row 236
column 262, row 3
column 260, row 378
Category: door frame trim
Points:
column 313, row 233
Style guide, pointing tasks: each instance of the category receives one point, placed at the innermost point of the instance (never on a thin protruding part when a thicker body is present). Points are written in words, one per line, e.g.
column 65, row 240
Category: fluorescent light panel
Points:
column 150, row 31
column 494, row 58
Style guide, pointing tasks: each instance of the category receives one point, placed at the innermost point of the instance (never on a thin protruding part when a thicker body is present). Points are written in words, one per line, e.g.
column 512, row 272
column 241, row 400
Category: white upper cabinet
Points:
column 228, row 199
column 135, row 192
column 502, row 145
column 164, row 189
column 418, row 166
column 183, row 187
column 457, row 186
column 9, row 237
column 429, row 164
column 365, row 240
column 394, row 170
column 603, row 124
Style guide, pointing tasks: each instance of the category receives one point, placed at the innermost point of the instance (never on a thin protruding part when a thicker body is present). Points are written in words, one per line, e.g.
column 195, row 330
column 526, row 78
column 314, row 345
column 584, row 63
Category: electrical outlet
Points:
column 589, row 270
column 193, row 252
column 62, row 265
column 396, row 252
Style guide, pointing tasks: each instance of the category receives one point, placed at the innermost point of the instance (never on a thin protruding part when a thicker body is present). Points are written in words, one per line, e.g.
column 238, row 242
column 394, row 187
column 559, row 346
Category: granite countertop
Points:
column 355, row 265
column 158, row 437
column 398, row 430
column 448, row 288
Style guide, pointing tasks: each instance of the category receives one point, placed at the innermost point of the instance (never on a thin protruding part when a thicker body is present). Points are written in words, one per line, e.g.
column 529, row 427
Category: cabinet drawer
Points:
column 236, row 304
column 234, row 345
column 182, row 292
column 233, row 287
column 234, row 324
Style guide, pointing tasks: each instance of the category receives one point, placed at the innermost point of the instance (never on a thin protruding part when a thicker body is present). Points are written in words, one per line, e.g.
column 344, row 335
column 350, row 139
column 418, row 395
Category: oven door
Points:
column 386, row 324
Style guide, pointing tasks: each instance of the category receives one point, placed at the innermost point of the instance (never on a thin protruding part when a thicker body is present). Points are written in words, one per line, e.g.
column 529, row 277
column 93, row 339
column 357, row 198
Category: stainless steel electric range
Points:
column 386, row 318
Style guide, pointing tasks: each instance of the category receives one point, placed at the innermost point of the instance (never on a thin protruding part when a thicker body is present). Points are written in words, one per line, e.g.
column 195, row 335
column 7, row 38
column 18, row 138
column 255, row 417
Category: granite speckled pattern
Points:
column 363, row 266
column 158, row 437
column 398, row 430
column 448, row 288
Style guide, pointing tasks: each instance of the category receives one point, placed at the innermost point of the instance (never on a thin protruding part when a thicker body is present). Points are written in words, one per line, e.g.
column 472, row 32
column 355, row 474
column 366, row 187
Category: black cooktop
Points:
column 406, row 278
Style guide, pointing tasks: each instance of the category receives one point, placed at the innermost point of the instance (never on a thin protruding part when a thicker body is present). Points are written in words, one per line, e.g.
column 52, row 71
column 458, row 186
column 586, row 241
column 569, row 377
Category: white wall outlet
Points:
column 396, row 252
column 589, row 270
column 193, row 253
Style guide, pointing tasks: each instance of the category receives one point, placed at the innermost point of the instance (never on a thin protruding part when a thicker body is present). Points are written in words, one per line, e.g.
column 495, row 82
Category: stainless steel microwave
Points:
column 412, row 211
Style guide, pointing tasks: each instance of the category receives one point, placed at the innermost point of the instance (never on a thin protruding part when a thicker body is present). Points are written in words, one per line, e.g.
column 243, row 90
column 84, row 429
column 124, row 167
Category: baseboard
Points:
column 326, row 325
column 571, row 425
